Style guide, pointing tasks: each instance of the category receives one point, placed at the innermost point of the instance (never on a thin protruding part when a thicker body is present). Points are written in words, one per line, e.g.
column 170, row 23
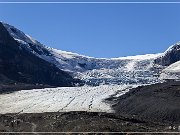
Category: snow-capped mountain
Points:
column 142, row 69
column 171, row 55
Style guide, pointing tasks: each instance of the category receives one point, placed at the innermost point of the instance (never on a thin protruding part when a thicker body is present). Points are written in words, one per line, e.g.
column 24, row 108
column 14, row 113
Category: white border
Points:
column 88, row 2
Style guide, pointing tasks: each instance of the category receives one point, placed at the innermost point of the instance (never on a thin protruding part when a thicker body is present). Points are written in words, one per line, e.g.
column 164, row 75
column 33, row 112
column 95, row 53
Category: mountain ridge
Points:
column 141, row 69
column 31, row 40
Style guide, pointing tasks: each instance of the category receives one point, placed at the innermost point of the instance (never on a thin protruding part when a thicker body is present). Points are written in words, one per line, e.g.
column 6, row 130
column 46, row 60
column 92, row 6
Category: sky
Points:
column 98, row 30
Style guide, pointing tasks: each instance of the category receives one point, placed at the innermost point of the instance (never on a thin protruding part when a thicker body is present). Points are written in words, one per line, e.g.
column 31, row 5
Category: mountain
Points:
column 170, row 56
column 20, row 65
column 141, row 69
column 94, row 71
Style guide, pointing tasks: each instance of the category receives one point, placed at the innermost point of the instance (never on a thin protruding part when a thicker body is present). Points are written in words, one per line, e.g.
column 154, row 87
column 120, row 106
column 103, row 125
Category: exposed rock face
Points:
column 172, row 55
column 19, row 65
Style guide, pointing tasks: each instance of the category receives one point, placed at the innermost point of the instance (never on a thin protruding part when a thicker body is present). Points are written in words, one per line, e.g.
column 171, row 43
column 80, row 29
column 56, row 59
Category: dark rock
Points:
column 20, row 65
column 75, row 122
column 171, row 56
column 155, row 103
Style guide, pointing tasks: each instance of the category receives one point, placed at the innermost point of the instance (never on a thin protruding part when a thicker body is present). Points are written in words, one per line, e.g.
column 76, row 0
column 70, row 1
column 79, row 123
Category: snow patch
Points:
column 171, row 72
column 175, row 67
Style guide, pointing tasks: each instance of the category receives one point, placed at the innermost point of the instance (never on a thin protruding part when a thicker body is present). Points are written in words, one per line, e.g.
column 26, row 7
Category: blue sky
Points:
column 98, row 30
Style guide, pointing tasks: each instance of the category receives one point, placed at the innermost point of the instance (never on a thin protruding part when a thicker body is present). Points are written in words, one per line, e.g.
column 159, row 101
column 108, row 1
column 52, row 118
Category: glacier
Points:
column 62, row 99
column 103, row 77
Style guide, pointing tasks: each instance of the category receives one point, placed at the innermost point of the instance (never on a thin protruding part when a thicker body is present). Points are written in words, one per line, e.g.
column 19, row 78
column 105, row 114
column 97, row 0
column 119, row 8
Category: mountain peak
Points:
column 174, row 46
column 18, row 34
column 171, row 55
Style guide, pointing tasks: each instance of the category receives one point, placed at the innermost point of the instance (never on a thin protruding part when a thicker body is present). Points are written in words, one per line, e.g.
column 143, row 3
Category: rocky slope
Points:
column 155, row 103
column 19, row 65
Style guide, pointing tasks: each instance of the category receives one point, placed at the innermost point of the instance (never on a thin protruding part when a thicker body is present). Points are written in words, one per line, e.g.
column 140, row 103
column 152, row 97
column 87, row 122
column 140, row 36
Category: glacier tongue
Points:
column 61, row 99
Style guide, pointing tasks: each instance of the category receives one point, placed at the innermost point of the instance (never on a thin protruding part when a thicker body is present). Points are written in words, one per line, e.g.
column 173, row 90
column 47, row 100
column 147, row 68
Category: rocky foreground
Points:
column 77, row 122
